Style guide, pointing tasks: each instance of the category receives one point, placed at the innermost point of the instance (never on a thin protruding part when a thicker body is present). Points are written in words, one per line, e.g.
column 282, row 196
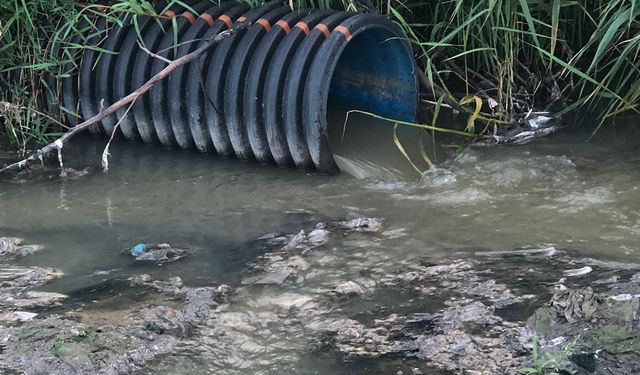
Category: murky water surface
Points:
column 558, row 191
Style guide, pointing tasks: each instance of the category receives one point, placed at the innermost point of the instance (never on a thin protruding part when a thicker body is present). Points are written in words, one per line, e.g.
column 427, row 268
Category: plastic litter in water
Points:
column 578, row 271
column 25, row 316
column 139, row 249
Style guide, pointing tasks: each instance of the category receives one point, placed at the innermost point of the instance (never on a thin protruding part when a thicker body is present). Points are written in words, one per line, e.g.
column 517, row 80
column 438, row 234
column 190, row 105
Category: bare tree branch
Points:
column 59, row 143
column 156, row 56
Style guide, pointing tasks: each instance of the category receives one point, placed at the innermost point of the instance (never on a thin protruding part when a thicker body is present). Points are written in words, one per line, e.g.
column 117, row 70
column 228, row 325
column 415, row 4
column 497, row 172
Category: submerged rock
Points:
column 9, row 244
column 299, row 241
column 320, row 235
column 61, row 346
column 27, row 277
column 12, row 247
column 541, row 253
column 173, row 285
column 15, row 317
column 198, row 304
column 349, row 288
column 16, row 284
column 362, row 224
column 29, row 299
column 123, row 344
column 578, row 271
column 276, row 275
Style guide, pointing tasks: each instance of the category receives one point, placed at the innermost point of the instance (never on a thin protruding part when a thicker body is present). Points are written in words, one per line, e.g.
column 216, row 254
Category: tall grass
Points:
column 554, row 55
column 40, row 44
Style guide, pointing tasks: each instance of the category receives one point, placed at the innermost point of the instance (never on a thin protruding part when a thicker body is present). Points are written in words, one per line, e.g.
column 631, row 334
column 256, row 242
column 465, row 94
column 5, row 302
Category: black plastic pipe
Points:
column 295, row 84
column 89, row 105
column 216, row 78
column 272, row 97
column 123, row 72
column 178, row 100
column 263, row 93
column 70, row 81
column 166, row 50
column 254, row 84
column 196, row 76
column 368, row 80
column 104, row 72
column 234, row 85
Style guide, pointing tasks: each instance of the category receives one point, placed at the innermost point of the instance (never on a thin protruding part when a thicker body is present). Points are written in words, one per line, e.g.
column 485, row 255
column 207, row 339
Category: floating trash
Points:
column 160, row 253
column 578, row 271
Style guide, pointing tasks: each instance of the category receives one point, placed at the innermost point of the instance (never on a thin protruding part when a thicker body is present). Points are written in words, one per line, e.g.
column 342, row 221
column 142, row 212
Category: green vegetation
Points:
column 556, row 55
column 41, row 42
column 496, row 59
column 547, row 363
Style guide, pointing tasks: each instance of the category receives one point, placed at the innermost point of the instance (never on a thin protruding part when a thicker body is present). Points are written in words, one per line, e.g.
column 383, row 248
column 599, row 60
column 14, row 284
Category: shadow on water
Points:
column 327, row 362
column 384, row 302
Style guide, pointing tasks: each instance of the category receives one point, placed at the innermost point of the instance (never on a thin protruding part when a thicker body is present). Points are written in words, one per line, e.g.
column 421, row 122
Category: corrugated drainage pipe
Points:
column 264, row 93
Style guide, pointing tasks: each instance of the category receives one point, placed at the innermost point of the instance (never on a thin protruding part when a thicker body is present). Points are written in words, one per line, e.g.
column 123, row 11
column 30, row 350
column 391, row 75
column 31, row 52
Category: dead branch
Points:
column 56, row 146
column 155, row 56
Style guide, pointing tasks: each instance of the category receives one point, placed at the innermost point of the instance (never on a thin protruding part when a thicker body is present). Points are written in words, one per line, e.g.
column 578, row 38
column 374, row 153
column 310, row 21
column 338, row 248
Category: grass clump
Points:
column 559, row 56
column 41, row 43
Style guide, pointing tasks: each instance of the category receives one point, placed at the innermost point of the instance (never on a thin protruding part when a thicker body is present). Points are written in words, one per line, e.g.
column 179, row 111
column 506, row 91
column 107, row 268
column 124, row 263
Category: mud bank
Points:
column 108, row 341
column 330, row 292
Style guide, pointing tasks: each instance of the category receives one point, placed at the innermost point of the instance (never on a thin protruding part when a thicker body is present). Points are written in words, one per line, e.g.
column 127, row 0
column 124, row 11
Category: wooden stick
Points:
column 59, row 143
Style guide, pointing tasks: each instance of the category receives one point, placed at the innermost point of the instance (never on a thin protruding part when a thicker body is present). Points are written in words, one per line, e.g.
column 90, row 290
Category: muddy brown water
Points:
column 559, row 191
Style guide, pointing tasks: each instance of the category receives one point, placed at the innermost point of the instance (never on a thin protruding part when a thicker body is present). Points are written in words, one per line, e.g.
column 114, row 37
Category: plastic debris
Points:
column 160, row 253
column 139, row 249
column 541, row 253
column 578, row 271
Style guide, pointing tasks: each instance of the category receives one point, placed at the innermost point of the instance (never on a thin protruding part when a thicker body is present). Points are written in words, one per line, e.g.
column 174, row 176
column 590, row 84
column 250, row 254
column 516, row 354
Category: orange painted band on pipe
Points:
column 264, row 23
column 207, row 17
column 226, row 19
column 325, row 30
column 344, row 31
column 304, row 27
column 189, row 16
column 169, row 14
column 284, row 25
column 242, row 18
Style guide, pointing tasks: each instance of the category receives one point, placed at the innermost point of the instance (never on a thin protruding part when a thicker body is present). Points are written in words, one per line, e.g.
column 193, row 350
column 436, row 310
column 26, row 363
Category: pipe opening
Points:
column 375, row 73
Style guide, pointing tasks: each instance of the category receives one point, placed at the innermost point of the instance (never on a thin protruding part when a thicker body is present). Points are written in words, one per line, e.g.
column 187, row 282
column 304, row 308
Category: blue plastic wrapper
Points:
column 139, row 249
